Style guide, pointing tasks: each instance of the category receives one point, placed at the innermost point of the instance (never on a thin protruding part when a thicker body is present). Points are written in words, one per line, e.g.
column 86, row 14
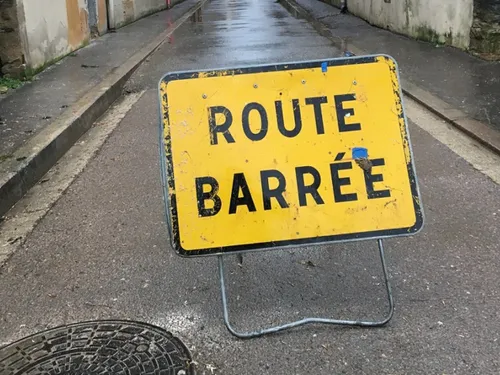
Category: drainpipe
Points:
column 343, row 6
column 110, row 4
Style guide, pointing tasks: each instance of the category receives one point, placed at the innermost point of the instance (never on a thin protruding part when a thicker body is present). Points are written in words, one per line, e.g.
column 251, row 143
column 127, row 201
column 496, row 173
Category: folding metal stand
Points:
column 265, row 331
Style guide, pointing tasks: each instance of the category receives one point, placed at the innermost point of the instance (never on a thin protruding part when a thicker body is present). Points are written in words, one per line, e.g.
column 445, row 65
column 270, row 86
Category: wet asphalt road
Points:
column 103, row 252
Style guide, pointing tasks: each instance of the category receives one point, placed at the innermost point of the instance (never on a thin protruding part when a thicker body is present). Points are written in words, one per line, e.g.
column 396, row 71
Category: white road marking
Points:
column 472, row 151
column 23, row 217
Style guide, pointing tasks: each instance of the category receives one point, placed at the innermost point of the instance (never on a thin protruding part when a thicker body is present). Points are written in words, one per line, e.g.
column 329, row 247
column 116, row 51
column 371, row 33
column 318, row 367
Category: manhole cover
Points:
column 100, row 347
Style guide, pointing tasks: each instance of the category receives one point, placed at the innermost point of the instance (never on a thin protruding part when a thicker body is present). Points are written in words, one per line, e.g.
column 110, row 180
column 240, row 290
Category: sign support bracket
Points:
column 274, row 329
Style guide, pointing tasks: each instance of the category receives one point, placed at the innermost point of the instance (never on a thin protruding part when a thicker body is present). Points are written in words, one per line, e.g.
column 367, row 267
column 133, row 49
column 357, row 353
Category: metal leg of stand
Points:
column 262, row 332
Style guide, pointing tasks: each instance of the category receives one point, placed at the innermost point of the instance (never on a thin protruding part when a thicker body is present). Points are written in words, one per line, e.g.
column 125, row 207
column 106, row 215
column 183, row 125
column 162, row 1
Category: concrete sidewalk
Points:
column 42, row 119
column 450, row 82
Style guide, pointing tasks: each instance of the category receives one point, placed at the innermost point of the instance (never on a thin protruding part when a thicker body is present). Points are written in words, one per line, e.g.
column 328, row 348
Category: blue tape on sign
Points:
column 324, row 67
column 359, row 153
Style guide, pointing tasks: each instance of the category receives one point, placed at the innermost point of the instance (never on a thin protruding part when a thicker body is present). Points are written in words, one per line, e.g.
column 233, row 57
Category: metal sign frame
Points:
column 168, row 185
column 297, row 323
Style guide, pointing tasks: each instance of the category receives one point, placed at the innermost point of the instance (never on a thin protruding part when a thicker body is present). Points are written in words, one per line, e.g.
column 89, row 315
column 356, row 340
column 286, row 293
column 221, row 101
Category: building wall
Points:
column 53, row 28
column 441, row 21
column 35, row 33
column 123, row 12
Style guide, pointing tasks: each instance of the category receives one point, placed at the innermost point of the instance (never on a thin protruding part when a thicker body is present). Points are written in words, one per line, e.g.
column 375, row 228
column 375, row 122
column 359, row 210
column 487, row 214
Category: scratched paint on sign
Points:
column 290, row 154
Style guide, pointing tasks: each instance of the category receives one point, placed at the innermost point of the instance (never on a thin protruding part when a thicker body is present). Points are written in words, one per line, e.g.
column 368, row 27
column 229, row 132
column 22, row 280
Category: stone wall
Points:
column 11, row 51
column 437, row 21
column 485, row 33
column 488, row 10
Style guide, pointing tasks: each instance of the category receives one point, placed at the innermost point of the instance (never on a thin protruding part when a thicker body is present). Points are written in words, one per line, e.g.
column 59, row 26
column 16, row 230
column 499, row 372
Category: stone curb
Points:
column 477, row 130
column 33, row 159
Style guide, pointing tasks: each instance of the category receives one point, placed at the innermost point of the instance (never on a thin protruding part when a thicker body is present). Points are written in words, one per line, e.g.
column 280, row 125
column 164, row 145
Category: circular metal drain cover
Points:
column 99, row 347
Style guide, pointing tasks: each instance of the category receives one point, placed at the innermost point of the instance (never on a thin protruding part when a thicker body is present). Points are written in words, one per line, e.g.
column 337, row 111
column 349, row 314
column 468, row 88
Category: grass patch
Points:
column 11, row 83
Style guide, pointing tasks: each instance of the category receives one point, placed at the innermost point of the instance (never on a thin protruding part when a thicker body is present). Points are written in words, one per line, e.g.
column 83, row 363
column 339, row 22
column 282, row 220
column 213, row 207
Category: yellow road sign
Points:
column 290, row 154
